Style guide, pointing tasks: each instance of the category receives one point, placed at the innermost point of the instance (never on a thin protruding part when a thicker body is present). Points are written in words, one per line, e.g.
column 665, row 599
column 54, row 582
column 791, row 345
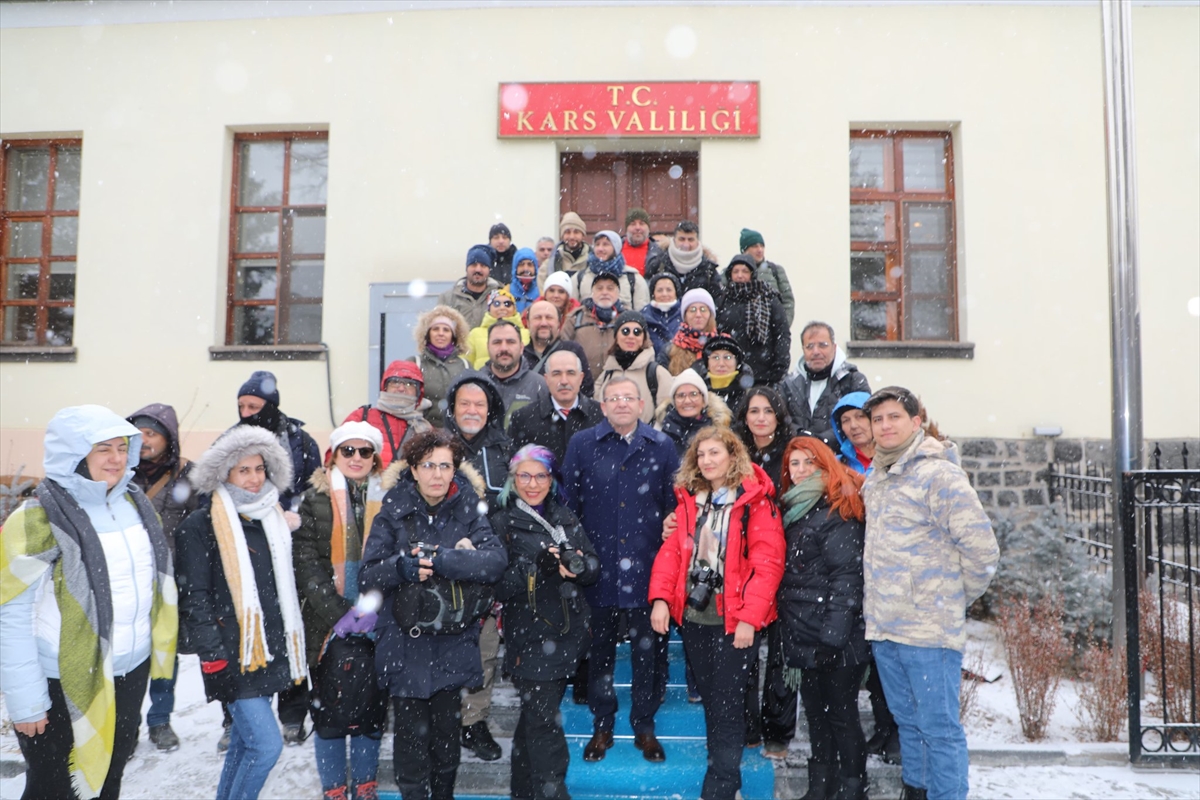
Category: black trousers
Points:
column 539, row 746
column 46, row 754
column 426, row 745
column 720, row 671
column 879, row 707
column 831, row 708
column 774, row 720
column 649, row 653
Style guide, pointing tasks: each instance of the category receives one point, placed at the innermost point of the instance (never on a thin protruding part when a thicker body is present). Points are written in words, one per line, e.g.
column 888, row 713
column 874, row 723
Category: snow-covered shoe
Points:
column 478, row 739
column 294, row 735
column 164, row 738
column 223, row 742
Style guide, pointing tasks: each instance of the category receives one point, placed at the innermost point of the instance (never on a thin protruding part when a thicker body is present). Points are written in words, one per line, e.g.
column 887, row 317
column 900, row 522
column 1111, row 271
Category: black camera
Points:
column 707, row 581
column 548, row 562
column 425, row 550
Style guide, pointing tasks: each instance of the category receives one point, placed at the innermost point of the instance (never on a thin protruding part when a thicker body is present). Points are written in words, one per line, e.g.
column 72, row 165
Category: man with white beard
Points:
column 475, row 418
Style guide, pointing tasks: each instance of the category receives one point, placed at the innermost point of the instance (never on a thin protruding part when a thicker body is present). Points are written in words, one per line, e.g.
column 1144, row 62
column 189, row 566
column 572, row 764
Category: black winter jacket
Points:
column 206, row 615
column 845, row 379
column 540, row 423
column 734, row 392
column 769, row 361
column 428, row 664
column 541, row 606
column 491, row 448
column 705, row 276
column 821, row 596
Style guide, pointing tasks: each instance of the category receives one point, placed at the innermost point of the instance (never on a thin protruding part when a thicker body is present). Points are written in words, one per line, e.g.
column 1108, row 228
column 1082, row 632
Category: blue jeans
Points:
column 254, row 746
column 922, row 686
column 162, row 699
column 331, row 760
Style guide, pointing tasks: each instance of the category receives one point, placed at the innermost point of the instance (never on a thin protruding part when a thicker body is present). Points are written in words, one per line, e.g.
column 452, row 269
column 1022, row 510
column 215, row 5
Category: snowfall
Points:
column 1088, row 770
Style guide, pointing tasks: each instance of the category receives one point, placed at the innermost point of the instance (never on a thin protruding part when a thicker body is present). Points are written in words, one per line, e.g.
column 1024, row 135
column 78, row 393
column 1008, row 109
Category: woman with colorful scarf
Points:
column 524, row 286
column 698, row 325
column 820, row 612
column 87, row 608
column 335, row 519
column 716, row 576
column 238, row 600
column 752, row 313
column 545, row 615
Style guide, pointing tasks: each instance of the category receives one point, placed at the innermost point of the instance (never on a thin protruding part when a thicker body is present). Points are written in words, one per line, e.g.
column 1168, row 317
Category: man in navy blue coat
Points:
column 619, row 477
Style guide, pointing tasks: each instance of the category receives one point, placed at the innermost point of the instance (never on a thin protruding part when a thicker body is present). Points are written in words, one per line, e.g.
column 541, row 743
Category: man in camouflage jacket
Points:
column 930, row 552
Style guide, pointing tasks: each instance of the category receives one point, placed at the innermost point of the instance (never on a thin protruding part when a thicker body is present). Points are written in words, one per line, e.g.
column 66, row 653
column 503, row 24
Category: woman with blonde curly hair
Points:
column 716, row 576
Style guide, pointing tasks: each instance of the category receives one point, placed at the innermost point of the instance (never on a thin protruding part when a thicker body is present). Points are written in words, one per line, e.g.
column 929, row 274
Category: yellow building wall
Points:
column 417, row 175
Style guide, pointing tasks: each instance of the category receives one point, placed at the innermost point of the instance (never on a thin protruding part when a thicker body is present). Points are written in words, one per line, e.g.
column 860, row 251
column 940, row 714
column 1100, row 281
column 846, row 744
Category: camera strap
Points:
column 560, row 538
column 556, row 531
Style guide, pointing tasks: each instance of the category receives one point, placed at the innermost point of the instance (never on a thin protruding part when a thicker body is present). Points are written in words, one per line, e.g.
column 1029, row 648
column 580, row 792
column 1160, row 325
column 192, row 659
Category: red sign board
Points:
column 681, row 110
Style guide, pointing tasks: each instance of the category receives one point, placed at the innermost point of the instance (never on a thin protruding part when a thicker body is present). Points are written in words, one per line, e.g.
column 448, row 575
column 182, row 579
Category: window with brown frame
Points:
column 277, row 238
column 902, row 249
column 39, row 228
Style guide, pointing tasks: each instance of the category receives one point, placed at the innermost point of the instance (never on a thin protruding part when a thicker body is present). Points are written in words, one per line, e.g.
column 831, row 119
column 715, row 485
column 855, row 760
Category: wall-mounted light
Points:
column 1047, row 430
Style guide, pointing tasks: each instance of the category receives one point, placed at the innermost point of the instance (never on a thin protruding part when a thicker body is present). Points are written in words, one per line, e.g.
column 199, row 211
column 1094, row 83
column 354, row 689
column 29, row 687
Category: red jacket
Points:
column 753, row 558
column 393, row 429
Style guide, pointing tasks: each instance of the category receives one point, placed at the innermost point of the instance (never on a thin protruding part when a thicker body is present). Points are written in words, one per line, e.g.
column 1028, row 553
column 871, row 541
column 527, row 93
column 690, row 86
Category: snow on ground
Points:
column 194, row 769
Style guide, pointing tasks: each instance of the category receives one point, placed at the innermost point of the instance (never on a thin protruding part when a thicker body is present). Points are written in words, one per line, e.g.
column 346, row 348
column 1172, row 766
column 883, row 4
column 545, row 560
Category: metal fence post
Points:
column 1127, row 516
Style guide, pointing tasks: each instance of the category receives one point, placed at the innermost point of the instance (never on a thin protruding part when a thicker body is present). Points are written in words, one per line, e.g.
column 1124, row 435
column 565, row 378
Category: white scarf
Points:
column 265, row 508
column 685, row 262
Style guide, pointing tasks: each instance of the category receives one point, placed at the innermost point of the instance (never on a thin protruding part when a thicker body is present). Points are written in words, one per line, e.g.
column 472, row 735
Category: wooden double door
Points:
column 603, row 187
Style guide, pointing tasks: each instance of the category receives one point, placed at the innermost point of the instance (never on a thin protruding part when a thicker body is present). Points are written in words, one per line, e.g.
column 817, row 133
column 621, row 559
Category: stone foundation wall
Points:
column 1011, row 473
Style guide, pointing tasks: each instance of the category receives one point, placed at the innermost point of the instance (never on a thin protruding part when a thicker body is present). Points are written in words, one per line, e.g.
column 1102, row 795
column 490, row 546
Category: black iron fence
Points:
column 1158, row 528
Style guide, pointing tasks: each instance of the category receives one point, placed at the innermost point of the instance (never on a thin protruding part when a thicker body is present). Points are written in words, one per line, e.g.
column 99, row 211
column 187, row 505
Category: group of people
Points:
column 553, row 467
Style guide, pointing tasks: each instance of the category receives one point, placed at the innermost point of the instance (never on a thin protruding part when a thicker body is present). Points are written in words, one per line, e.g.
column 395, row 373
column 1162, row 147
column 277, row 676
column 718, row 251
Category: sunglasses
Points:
column 631, row 331
column 505, row 303
column 348, row 452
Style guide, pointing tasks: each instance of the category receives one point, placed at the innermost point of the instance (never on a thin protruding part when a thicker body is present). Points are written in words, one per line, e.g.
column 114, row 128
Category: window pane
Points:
column 309, row 169
column 21, row 282
column 62, row 280
column 255, row 279
column 927, row 273
column 872, row 222
column 304, row 325
column 307, row 279
column 867, row 163
column 254, row 325
column 930, row 319
column 868, row 320
column 924, row 165
column 260, row 178
column 258, row 233
column 24, row 239
column 60, row 324
column 308, row 234
column 66, row 179
column 868, row 272
column 64, row 231
column 28, row 175
column 20, row 325
column 928, row 223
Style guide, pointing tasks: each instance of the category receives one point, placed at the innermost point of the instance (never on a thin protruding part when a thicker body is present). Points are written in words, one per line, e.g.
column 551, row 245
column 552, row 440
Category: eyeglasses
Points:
column 817, row 345
column 348, row 451
column 692, row 395
column 401, row 386
column 622, row 399
column 432, row 466
column 526, row 478
column 722, row 357
column 631, row 331
column 505, row 303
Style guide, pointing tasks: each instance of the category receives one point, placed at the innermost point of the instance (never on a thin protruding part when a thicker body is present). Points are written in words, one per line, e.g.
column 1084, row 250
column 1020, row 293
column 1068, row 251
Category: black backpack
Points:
column 345, row 698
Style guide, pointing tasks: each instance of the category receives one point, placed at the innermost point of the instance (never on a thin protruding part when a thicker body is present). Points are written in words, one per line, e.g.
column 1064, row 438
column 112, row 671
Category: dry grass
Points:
column 970, row 689
column 1103, row 696
column 1169, row 656
column 1037, row 651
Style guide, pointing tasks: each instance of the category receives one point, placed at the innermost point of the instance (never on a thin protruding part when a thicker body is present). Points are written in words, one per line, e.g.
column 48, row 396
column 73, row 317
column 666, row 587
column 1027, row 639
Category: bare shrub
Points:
column 1104, row 693
column 1168, row 656
column 967, row 694
column 1037, row 650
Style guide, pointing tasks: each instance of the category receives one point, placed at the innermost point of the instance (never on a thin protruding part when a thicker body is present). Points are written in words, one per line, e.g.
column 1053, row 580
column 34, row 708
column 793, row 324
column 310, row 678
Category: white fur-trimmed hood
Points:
column 235, row 444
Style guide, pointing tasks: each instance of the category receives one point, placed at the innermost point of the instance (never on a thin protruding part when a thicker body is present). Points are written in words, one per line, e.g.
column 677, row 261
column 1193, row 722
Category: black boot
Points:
column 478, row 739
column 877, row 741
column 822, row 781
column 851, row 788
column 891, row 748
column 913, row 793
